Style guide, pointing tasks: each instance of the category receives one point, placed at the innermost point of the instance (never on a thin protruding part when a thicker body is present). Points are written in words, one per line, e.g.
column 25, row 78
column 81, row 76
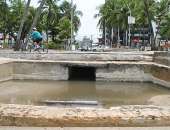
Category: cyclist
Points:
column 37, row 38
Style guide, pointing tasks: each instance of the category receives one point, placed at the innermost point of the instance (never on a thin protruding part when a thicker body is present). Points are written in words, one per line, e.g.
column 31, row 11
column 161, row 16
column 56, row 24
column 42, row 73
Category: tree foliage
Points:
column 114, row 14
column 54, row 19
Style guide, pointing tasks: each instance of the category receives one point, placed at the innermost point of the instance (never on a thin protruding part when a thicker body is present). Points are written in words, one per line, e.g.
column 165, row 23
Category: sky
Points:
column 88, row 22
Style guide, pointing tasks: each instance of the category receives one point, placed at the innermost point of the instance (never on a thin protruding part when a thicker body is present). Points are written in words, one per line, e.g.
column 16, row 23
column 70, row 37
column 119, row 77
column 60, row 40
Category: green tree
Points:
column 114, row 14
column 4, row 12
column 17, row 46
column 66, row 12
column 64, row 28
column 35, row 20
column 50, row 17
column 163, row 19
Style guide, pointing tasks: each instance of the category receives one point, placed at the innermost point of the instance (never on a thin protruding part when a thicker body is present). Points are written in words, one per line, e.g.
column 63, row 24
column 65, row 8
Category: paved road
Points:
column 87, row 128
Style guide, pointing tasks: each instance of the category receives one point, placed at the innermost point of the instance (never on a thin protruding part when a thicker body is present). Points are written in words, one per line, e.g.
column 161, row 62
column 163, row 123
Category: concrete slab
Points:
column 79, row 56
column 85, row 128
column 42, row 116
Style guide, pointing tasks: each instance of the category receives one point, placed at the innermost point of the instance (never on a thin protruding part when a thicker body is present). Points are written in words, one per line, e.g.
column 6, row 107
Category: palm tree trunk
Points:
column 118, row 35
column 35, row 20
column 17, row 46
column 104, row 32
column 157, row 32
column 47, row 22
column 126, row 37
column 143, row 33
column 112, row 38
column 149, row 22
column 5, row 30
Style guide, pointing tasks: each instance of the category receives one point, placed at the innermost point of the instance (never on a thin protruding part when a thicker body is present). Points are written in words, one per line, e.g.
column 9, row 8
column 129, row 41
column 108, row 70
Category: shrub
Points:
column 53, row 45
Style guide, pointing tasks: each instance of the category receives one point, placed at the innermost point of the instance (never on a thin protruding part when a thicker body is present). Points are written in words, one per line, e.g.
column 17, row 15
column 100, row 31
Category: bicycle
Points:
column 42, row 47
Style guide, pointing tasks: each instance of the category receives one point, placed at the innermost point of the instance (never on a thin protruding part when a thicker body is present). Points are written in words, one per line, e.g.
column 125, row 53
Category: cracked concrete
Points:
column 15, row 115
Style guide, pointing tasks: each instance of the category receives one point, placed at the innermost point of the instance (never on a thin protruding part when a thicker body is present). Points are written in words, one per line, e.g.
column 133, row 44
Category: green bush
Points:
column 5, row 45
column 53, row 45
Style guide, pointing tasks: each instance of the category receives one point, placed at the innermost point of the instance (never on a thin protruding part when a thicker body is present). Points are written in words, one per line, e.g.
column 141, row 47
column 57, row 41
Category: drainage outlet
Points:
column 82, row 73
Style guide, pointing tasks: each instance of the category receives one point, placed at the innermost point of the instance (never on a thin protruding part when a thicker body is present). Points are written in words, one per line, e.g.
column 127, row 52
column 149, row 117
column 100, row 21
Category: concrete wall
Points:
column 135, row 72
column 39, row 70
column 6, row 71
column 162, row 58
column 161, row 75
column 105, row 71
column 124, row 72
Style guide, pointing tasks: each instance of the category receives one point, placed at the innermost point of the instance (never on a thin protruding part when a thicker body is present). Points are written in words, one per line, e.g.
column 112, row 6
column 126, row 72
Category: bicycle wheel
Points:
column 45, row 48
column 29, row 48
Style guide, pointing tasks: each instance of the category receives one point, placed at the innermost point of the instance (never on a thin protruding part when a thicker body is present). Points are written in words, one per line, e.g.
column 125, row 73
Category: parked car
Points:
column 1, row 36
column 96, row 47
column 1, row 43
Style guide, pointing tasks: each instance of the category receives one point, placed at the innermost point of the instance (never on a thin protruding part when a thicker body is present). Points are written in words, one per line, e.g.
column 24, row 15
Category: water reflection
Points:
column 106, row 93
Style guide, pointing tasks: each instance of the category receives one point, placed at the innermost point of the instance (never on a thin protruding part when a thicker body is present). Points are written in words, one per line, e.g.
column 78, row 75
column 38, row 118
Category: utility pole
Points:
column 71, row 22
column 91, row 38
column 105, row 31
column 129, row 22
column 105, row 35
column 130, row 26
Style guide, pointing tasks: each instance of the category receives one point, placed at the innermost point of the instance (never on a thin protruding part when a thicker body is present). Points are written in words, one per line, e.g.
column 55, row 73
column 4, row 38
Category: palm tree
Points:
column 114, row 16
column 162, row 18
column 50, row 17
column 144, row 12
column 150, row 11
column 165, row 27
column 66, row 8
column 17, row 46
column 37, row 15
column 4, row 11
column 74, row 18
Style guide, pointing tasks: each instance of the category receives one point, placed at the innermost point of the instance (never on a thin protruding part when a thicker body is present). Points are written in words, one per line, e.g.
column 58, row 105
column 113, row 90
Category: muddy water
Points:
column 106, row 93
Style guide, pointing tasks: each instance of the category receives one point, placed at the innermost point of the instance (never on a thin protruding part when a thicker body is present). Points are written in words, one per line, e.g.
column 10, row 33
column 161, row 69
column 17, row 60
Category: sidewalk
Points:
column 85, row 128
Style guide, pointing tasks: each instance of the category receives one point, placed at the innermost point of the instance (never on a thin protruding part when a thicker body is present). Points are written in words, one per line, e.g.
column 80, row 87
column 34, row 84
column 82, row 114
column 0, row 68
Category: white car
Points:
column 98, row 48
column 1, row 43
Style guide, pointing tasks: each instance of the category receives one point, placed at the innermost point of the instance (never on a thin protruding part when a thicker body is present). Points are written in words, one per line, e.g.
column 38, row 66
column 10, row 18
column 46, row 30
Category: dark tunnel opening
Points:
column 82, row 73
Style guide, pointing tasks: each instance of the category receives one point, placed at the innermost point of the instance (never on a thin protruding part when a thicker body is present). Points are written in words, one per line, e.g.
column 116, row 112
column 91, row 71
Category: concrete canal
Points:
column 129, row 89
